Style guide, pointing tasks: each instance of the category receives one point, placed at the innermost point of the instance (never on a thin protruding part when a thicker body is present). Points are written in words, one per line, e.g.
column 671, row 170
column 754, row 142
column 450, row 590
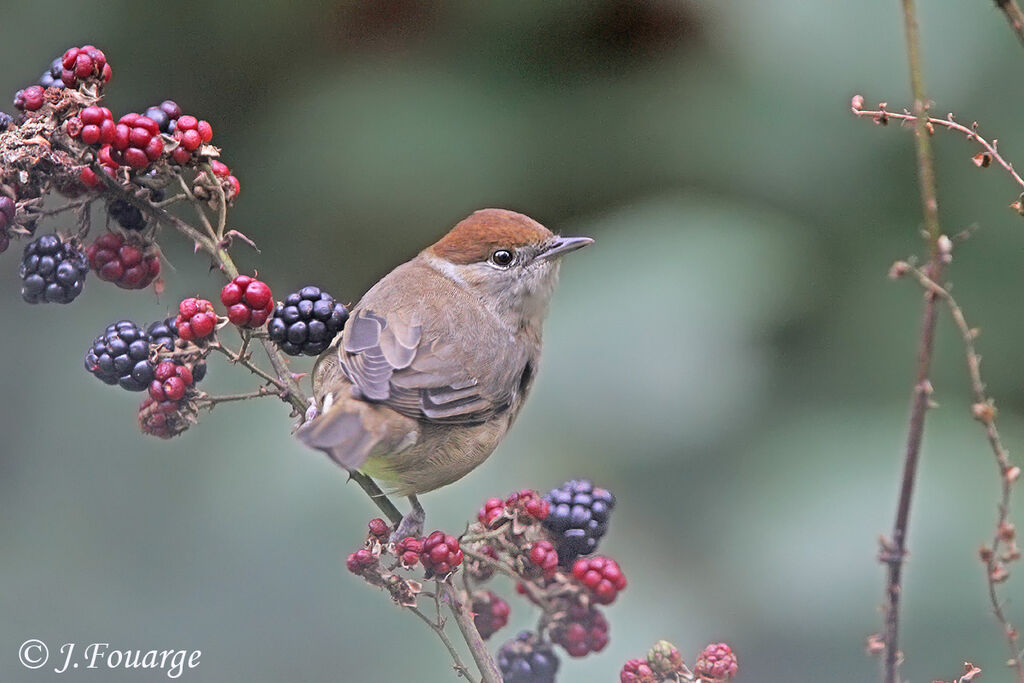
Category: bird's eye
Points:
column 502, row 258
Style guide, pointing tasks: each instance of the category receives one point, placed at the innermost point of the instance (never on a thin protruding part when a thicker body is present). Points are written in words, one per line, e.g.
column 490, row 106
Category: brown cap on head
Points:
column 475, row 238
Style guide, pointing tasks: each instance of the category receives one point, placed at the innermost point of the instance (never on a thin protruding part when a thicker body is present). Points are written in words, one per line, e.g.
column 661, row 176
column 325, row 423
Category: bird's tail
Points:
column 342, row 434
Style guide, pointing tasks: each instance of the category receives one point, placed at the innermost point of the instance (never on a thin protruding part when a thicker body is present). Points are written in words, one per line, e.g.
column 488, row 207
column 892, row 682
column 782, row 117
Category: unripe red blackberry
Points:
column 530, row 503
column 578, row 518
column 580, row 630
column 83, row 63
column 408, row 550
column 249, row 302
column 493, row 509
column 190, row 133
column 544, row 557
column 360, row 561
column 121, row 356
column 490, row 613
column 637, row 671
column 527, row 659
column 128, row 263
column 196, row 319
column 137, row 141
column 170, row 381
column 602, row 577
column 93, row 126
column 716, row 662
column 163, row 420
column 52, row 271
column 441, row 554
column 306, row 322
column 29, row 99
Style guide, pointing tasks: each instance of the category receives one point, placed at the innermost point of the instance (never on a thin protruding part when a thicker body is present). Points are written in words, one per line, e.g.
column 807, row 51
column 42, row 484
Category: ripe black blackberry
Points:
column 306, row 322
column 165, row 114
column 526, row 659
column 51, row 78
column 121, row 356
column 127, row 216
column 578, row 518
column 52, row 271
column 5, row 121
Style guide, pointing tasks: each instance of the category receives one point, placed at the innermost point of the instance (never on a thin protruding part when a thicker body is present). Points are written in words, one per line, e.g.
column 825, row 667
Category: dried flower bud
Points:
column 857, row 102
column 983, row 412
column 945, row 246
column 898, row 270
column 999, row 574
column 1007, row 531
column 1018, row 205
column 985, row 554
column 982, row 159
column 1012, row 474
column 875, row 645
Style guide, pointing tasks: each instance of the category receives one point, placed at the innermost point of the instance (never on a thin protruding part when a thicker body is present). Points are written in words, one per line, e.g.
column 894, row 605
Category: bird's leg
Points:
column 412, row 522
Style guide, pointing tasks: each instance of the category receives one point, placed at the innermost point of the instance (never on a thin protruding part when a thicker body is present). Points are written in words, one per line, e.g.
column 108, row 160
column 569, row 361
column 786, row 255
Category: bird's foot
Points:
column 412, row 522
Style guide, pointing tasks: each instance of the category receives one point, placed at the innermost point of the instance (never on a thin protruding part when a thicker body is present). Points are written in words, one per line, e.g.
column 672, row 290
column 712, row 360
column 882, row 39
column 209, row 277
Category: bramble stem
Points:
column 1014, row 17
column 894, row 551
column 984, row 412
column 464, row 620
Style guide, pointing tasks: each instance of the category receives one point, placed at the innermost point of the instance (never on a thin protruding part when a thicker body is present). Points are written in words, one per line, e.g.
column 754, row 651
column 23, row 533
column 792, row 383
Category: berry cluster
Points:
column 30, row 99
column 52, row 271
column 578, row 518
column 663, row 664
column 306, row 322
column 170, row 381
column 127, row 262
column 526, row 505
column 196, row 320
column 165, row 114
column 121, row 356
column 527, row 659
column 440, row 554
column 93, row 126
column 544, row 556
column 165, row 419
column 249, row 302
column 51, row 78
column 189, row 133
column 490, row 613
column 601, row 576
column 83, row 63
column 580, row 630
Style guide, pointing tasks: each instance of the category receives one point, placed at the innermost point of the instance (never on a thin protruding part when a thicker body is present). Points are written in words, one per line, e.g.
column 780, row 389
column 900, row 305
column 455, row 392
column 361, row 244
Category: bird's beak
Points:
column 563, row 245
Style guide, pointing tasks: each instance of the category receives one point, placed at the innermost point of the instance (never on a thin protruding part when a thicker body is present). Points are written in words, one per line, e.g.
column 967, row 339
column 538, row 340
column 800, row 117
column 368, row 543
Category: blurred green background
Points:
column 729, row 358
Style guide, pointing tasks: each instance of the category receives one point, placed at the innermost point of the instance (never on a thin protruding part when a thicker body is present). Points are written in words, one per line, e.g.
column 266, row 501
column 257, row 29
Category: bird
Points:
column 436, row 360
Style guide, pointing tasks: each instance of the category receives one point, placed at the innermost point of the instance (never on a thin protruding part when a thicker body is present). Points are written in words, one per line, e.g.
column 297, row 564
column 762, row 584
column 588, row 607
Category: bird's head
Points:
column 507, row 259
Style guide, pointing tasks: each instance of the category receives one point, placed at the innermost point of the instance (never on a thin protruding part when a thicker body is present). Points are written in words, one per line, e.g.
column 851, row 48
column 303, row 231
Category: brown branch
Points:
column 464, row 620
column 1014, row 17
column 883, row 116
column 984, row 412
column 894, row 551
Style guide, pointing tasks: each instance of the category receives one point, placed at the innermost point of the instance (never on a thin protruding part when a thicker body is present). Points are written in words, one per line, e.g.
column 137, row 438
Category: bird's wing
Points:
column 394, row 360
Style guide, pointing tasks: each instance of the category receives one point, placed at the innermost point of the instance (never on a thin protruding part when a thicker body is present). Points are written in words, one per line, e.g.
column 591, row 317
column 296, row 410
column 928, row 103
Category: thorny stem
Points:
column 536, row 595
column 205, row 401
column 985, row 413
column 1014, row 16
column 894, row 551
column 882, row 115
column 464, row 620
column 438, row 628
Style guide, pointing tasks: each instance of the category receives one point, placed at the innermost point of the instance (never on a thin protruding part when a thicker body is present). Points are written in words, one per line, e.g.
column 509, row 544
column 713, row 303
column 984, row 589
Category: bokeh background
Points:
column 729, row 357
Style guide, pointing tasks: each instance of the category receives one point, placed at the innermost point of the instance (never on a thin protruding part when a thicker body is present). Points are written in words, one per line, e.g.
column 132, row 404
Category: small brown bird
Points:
column 437, row 358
